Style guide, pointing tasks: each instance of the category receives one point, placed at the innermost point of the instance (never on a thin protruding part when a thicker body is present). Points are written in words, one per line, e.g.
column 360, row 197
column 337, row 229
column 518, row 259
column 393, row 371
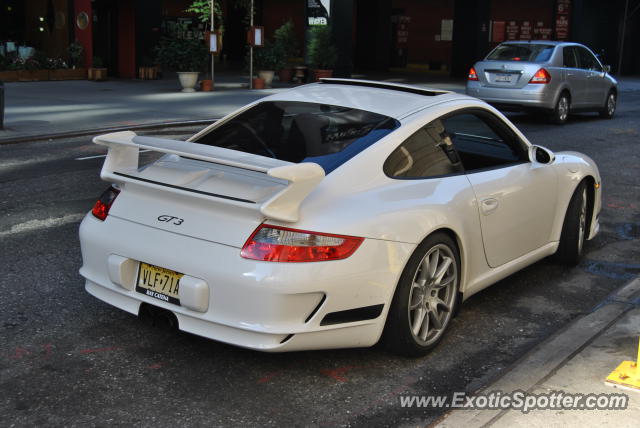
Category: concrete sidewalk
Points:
column 576, row 360
column 46, row 108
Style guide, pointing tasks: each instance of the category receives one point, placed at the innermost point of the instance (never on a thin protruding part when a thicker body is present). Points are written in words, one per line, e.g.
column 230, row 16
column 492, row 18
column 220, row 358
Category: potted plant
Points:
column 285, row 37
column 75, row 50
column 185, row 56
column 322, row 52
column 268, row 59
column 98, row 72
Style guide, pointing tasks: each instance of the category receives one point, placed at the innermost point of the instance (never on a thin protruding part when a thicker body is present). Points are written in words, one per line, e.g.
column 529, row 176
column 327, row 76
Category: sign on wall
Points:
column 318, row 12
column 512, row 30
column 525, row 30
column 563, row 8
column 541, row 32
column 446, row 30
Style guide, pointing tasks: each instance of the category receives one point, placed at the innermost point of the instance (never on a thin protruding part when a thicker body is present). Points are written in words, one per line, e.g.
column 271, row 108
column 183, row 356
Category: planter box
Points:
column 148, row 73
column 68, row 74
column 98, row 74
column 9, row 76
column 32, row 75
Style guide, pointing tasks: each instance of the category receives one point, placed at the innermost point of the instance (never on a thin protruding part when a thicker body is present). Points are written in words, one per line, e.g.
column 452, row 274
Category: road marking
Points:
column 103, row 156
column 30, row 225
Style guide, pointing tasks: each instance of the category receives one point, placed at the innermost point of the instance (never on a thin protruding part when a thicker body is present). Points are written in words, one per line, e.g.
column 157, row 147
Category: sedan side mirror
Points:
column 607, row 68
column 539, row 154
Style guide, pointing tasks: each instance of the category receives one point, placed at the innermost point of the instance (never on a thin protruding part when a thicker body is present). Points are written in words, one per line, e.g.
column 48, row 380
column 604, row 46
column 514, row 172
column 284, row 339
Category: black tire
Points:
column 574, row 228
column 398, row 335
column 608, row 110
column 562, row 109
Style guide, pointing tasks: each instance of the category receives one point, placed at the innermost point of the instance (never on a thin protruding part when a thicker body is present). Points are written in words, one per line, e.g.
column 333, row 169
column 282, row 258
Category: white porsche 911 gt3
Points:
column 332, row 215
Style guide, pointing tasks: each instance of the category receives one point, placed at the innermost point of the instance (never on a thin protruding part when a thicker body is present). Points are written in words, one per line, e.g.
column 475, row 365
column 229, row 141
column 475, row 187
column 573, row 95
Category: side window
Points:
column 429, row 152
column 569, row 58
column 481, row 142
column 587, row 60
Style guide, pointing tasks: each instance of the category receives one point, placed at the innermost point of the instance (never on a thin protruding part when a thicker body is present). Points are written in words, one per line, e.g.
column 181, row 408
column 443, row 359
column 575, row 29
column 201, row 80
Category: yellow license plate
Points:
column 159, row 283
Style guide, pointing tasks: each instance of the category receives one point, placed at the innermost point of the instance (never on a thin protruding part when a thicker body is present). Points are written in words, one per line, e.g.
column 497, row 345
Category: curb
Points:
column 81, row 133
column 548, row 357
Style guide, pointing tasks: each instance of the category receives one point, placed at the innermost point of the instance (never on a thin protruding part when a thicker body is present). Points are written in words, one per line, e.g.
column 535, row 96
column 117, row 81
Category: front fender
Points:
column 573, row 168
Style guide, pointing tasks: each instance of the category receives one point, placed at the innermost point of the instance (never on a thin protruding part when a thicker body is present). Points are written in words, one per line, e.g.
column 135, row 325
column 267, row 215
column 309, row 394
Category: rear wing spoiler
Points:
column 121, row 166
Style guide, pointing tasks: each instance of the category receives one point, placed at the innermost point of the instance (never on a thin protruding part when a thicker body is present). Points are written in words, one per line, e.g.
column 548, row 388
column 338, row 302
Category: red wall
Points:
column 425, row 24
column 85, row 37
column 126, row 40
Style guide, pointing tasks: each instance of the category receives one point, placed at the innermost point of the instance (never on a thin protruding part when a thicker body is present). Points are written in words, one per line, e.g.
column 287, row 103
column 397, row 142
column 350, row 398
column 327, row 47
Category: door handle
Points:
column 489, row 205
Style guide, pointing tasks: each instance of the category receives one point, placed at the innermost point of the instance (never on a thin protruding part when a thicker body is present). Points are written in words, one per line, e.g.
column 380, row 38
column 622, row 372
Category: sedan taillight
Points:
column 472, row 74
column 281, row 244
column 103, row 205
column 541, row 76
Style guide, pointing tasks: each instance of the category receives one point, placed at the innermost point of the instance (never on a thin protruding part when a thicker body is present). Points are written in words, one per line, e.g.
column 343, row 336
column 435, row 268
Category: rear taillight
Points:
column 472, row 74
column 103, row 205
column 281, row 244
column 541, row 76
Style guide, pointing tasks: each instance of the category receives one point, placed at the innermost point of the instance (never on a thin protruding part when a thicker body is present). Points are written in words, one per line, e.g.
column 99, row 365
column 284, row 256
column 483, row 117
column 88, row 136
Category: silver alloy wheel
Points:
column 563, row 108
column 582, row 222
column 432, row 295
column 611, row 104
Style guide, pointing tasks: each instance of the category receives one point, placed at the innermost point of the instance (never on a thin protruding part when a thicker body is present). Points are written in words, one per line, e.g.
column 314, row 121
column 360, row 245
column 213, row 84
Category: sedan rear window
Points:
column 301, row 132
column 527, row 52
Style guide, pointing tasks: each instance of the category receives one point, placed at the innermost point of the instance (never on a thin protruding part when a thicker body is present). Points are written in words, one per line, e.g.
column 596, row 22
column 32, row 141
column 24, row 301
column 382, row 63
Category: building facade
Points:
column 442, row 36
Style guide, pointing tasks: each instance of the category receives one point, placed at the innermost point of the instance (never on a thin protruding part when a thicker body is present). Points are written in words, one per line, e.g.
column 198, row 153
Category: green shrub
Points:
column 182, row 54
column 285, row 37
column 269, row 57
column 322, row 52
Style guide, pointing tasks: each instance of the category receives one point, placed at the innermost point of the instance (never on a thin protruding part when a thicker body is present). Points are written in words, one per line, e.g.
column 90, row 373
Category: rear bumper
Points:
column 530, row 97
column 258, row 305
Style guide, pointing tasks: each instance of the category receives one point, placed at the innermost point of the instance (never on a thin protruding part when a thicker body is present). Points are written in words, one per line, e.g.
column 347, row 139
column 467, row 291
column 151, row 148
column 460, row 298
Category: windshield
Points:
column 521, row 52
column 301, row 132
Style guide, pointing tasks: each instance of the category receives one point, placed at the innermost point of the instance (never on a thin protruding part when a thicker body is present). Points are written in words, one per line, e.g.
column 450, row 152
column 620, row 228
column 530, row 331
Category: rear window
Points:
column 527, row 52
column 301, row 132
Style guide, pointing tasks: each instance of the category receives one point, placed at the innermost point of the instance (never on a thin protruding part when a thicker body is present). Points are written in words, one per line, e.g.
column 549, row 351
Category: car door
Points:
column 594, row 77
column 516, row 199
column 575, row 77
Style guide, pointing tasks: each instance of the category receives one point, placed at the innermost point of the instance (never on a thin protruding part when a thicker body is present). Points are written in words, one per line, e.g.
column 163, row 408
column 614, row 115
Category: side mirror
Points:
column 607, row 68
column 539, row 154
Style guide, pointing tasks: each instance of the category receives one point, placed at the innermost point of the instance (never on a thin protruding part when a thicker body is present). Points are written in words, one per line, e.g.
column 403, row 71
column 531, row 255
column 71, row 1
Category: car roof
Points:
column 390, row 99
column 534, row 42
column 540, row 42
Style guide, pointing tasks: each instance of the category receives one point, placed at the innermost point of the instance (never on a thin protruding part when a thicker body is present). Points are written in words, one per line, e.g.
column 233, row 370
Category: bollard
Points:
column 626, row 375
column 1, row 104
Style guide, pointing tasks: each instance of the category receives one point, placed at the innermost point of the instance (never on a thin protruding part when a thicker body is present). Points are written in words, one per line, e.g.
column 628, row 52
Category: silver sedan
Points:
column 555, row 77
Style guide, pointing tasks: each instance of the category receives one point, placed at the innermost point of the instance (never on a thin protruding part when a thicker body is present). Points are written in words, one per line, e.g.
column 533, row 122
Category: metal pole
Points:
column 1, row 104
column 251, row 50
column 212, row 34
column 624, row 29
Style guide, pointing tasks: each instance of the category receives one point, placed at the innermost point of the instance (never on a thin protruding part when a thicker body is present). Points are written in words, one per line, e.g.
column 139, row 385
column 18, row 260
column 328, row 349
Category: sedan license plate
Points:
column 503, row 78
column 158, row 282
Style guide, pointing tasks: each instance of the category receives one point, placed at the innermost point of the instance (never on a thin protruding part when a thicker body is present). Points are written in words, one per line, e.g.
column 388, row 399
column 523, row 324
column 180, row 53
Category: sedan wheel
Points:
column 561, row 112
column 425, row 298
column 609, row 106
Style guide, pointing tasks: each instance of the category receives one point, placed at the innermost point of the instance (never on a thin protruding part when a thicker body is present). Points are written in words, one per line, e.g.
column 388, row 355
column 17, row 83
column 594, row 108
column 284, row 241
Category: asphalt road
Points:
column 69, row 359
